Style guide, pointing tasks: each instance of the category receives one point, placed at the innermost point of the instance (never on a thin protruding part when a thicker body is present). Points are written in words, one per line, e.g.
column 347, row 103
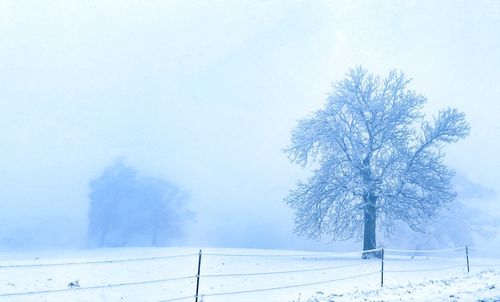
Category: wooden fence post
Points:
column 467, row 257
column 198, row 277
column 382, row 269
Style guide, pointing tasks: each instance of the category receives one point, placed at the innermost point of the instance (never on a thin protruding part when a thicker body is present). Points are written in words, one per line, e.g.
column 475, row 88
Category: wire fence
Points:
column 95, row 261
column 456, row 249
column 96, row 287
column 310, row 255
column 283, row 272
column 375, row 266
column 288, row 286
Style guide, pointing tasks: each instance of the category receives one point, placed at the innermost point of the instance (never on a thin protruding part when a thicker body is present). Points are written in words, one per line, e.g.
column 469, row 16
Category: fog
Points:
column 204, row 94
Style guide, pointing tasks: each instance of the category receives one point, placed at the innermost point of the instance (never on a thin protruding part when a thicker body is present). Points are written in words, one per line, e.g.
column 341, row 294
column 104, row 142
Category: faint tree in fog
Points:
column 126, row 208
column 378, row 161
column 461, row 223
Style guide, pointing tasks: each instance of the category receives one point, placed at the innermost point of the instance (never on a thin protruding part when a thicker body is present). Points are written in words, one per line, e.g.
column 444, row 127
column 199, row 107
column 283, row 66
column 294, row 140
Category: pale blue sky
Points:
column 205, row 93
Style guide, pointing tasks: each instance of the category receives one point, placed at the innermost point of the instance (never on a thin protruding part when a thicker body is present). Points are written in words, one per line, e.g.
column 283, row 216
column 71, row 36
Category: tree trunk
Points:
column 370, row 224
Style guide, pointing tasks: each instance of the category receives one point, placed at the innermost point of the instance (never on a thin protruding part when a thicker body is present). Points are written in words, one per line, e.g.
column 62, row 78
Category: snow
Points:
column 474, row 287
column 332, row 276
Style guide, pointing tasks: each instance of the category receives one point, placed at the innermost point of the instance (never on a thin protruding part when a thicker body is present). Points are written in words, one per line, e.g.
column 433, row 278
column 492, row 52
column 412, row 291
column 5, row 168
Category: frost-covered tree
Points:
column 377, row 160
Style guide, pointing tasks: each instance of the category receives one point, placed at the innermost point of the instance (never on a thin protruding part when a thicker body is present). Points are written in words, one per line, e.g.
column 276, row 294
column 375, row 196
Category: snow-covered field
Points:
column 281, row 275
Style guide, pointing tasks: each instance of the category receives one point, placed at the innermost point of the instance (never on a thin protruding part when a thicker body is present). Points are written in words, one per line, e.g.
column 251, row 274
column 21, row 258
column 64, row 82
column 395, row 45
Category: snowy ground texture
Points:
column 473, row 287
column 169, row 274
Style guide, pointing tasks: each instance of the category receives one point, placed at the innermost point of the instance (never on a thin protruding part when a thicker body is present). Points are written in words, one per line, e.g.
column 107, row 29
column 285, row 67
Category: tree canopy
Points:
column 377, row 159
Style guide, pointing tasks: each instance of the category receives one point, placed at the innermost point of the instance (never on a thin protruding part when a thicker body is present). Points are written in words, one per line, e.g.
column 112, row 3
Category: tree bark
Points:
column 370, row 226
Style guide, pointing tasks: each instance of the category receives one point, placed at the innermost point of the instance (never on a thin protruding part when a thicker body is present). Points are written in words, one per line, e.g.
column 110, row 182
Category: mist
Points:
column 204, row 95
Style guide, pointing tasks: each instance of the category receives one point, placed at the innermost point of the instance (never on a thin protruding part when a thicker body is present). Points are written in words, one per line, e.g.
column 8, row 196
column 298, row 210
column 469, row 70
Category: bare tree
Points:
column 126, row 208
column 377, row 160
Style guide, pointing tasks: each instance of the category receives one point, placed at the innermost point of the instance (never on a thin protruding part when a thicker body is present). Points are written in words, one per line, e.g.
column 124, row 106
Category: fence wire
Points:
column 282, row 287
column 456, row 249
column 485, row 265
column 95, row 261
column 425, row 270
column 179, row 298
column 96, row 287
column 315, row 255
column 290, row 271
